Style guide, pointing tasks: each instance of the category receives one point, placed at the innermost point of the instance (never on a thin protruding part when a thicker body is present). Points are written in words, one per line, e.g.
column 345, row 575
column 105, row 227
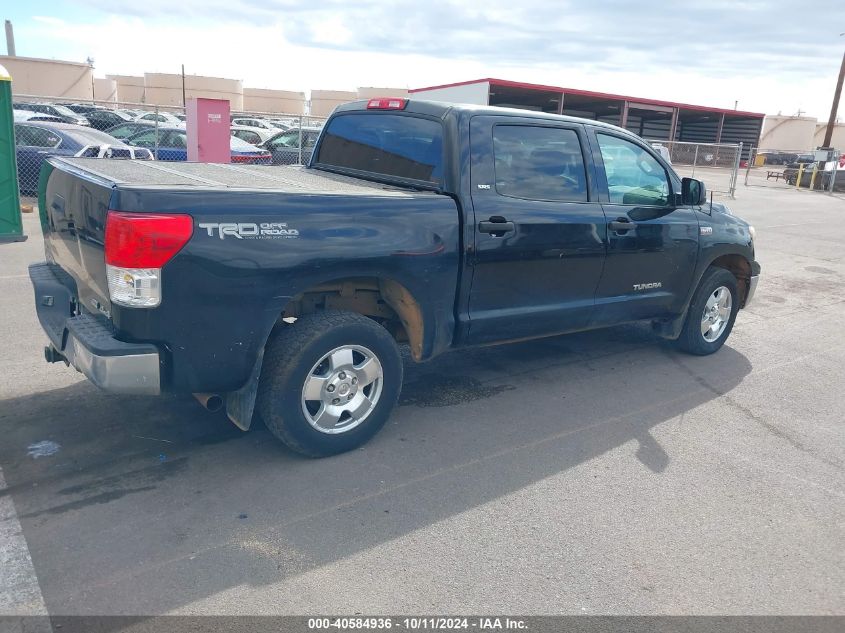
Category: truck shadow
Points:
column 152, row 505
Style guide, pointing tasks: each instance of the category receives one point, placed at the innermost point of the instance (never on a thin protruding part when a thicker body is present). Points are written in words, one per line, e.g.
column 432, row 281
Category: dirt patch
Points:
column 439, row 390
column 820, row 269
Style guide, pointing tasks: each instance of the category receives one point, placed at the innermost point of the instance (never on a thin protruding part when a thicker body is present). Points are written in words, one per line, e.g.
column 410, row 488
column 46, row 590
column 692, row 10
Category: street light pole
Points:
column 828, row 135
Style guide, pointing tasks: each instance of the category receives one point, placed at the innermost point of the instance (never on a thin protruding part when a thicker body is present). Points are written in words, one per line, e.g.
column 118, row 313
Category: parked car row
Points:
column 281, row 146
column 280, row 136
column 824, row 171
column 775, row 157
column 171, row 143
column 49, row 129
column 91, row 115
column 35, row 141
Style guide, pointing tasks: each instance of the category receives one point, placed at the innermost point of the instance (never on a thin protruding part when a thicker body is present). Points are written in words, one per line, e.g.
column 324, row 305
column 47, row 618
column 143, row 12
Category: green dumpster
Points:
column 11, row 226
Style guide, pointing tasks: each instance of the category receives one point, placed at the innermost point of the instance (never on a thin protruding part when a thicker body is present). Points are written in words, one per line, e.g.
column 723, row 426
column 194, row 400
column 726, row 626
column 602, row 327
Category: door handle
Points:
column 621, row 225
column 494, row 226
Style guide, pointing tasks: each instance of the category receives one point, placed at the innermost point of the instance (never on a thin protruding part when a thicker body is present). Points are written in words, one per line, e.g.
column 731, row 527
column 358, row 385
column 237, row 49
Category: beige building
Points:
column 281, row 101
column 31, row 76
column 324, row 101
column 47, row 78
column 798, row 133
column 105, row 89
column 837, row 140
column 166, row 89
column 371, row 93
column 130, row 89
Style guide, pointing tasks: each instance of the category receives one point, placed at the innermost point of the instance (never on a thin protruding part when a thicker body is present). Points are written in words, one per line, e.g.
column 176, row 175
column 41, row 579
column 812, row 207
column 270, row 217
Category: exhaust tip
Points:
column 211, row 401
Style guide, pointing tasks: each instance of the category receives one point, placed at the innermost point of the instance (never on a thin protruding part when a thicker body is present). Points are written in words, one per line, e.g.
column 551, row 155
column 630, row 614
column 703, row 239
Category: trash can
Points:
column 11, row 226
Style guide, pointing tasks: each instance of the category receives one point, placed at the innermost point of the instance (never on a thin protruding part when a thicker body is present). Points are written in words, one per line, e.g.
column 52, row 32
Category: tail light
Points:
column 138, row 245
column 393, row 103
column 250, row 158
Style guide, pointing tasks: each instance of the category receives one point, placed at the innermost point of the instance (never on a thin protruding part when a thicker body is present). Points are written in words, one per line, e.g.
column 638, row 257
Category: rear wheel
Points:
column 711, row 313
column 329, row 382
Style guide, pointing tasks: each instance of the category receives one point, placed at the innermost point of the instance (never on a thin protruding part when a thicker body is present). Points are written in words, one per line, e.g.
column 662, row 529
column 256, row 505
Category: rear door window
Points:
column 36, row 137
column 124, row 130
column 288, row 139
column 539, row 163
column 176, row 139
column 146, row 139
column 393, row 145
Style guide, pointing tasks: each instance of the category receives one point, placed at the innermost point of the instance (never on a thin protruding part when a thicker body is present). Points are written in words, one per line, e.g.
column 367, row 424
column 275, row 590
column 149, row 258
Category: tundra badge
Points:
column 648, row 286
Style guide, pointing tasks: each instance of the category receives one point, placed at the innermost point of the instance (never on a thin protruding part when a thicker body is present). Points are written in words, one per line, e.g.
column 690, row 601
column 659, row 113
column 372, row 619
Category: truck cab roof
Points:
column 441, row 109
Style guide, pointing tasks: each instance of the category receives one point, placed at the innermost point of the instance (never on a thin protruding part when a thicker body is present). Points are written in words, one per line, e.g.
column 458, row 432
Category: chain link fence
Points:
column 125, row 130
column 793, row 169
column 716, row 164
column 149, row 131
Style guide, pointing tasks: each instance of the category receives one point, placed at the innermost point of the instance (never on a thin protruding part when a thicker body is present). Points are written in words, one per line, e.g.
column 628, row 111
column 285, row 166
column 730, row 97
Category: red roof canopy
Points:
column 589, row 93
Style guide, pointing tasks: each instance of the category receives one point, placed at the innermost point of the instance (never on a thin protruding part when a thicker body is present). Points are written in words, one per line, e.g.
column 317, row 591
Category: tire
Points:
column 321, row 352
column 694, row 339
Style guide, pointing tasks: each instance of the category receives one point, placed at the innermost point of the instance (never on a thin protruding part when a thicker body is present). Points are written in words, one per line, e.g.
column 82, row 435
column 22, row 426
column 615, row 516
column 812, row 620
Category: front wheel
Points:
column 329, row 382
column 711, row 314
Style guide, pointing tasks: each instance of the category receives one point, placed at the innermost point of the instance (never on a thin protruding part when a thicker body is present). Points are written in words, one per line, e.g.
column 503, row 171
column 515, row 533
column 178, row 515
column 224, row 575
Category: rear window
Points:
column 86, row 137
column 241, row 145
column 386, row 144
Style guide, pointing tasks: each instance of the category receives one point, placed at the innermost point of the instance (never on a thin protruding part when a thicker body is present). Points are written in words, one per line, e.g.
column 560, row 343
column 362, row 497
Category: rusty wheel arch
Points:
column 383, row 299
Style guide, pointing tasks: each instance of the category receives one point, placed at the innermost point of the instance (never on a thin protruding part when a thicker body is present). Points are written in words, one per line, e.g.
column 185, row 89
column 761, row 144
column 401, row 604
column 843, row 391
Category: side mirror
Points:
column 693, row 192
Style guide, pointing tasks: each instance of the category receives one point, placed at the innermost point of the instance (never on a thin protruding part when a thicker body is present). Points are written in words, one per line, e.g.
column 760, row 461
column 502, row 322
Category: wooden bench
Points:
column 777, row 175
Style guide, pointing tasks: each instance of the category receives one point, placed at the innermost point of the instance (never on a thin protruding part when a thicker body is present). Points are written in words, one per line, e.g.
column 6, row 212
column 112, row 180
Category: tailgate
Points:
column 73, row 219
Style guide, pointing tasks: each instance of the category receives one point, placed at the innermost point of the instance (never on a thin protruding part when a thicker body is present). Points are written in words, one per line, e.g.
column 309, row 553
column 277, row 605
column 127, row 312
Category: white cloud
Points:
column 46, row 19
column 752, row 56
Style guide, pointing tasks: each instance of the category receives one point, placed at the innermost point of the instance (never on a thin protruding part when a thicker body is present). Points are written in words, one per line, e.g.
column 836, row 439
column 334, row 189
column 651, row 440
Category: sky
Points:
column 768, row 55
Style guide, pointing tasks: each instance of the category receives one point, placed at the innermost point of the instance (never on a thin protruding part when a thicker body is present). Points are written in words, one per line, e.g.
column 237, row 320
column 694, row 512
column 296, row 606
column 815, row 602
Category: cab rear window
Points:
column 394, row 145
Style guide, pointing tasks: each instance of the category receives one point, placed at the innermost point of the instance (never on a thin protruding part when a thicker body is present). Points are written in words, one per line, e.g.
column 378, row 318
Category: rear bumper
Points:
column 87, row 342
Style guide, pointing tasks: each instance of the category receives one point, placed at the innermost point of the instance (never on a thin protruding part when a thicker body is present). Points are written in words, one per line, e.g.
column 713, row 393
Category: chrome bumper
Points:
column 123, row 373
column 87, row 342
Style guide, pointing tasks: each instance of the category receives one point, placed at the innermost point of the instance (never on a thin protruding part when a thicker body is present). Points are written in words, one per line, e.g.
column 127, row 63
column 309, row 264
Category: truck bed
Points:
column 222, row 294
column 280, row 178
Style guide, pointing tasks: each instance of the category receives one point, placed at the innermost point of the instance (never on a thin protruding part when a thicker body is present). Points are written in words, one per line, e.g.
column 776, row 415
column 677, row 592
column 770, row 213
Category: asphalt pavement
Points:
column 597, row 473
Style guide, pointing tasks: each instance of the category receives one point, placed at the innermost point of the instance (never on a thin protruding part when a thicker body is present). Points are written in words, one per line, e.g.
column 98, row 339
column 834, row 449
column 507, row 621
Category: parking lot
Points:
column 598, row 473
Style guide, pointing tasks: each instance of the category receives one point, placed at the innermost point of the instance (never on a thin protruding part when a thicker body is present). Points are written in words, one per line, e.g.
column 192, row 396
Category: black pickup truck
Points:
column 284, row 292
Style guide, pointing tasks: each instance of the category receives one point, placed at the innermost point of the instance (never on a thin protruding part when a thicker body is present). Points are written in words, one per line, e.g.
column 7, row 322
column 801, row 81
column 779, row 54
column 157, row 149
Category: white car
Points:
column 165, row 118
column 258, row 124
column 29, row 115
column 663, row 151
column 252, row 135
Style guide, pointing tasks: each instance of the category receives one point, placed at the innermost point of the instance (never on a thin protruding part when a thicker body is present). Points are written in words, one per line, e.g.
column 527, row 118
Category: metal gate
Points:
column 716, row 164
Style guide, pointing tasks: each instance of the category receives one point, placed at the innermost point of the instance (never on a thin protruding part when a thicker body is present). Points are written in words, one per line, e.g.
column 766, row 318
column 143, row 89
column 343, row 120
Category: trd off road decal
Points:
column 249, row 230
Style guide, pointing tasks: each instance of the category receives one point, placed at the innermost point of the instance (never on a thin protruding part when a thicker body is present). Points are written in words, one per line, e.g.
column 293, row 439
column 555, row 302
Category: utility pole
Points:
column 10, row 39
column 184, row 101
column 90, row 62
column 828, row 135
